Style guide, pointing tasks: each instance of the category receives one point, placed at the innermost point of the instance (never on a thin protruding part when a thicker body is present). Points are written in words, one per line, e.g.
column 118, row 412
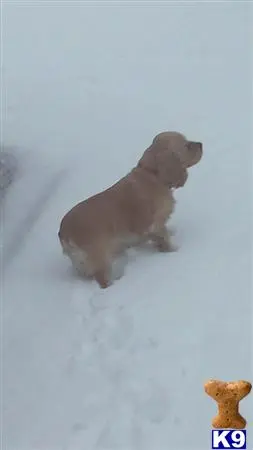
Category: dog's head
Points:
column 169, row 157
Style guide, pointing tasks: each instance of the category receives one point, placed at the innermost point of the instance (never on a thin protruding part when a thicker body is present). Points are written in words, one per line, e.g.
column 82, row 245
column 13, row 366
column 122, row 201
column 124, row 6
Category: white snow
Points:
column 86, row 86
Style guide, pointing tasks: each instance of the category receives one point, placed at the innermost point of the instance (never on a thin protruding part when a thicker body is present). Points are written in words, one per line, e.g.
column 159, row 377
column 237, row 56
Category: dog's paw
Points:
column 173, row 247
column 167, row 247
column 105, row 284
column 103, row 280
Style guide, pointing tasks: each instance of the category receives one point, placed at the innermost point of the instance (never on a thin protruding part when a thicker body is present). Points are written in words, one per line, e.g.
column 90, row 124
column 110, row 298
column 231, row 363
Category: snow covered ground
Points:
column 85, row 88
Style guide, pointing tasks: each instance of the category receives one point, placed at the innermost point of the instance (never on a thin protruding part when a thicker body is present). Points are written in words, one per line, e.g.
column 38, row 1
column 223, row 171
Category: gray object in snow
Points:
column 8, row 169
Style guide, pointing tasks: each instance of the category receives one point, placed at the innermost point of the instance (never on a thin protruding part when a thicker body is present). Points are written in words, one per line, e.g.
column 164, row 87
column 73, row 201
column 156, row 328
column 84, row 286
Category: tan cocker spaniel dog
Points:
column 132, row 211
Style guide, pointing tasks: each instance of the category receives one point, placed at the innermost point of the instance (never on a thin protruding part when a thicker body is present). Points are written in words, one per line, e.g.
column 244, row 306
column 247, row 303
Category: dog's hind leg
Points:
column 103, row 278
column 100, row 263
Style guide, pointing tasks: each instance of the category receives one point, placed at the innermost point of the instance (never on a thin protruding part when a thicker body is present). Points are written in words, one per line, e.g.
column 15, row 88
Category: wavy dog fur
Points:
column 134, row 210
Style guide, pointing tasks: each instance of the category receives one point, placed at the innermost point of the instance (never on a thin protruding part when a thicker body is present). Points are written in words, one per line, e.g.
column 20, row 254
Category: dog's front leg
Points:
column 162, row 240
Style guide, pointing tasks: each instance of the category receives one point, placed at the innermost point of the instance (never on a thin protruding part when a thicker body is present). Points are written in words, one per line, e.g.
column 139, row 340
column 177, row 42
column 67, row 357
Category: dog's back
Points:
column 128, row 207
column 97, row 229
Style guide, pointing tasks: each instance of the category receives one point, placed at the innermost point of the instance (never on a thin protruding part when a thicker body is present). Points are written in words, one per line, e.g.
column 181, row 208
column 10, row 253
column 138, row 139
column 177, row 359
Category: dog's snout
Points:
column 195, row 146
column 195, row 152
column 199, row 146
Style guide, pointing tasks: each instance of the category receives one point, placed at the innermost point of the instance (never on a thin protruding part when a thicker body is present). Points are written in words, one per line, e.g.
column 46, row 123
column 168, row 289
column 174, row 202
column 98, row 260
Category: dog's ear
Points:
column 170, row 169
column 166, row 165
